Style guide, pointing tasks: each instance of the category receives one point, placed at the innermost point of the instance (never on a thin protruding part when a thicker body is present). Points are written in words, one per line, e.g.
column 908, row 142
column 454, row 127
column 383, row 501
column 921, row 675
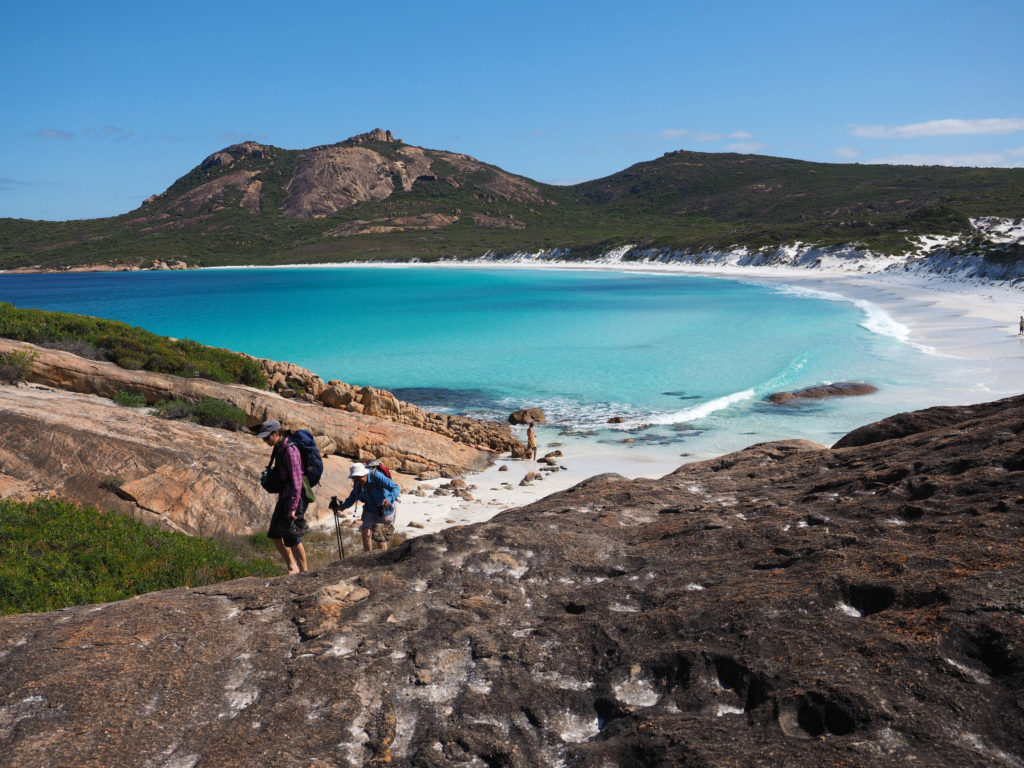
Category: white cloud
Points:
column 746, row 147
column 673, row 133
column 989, row 127
column 847, row 153
column 54, row 133
column 741, row 135
column 1010, row 158
column 109, row 132
column 6, row 184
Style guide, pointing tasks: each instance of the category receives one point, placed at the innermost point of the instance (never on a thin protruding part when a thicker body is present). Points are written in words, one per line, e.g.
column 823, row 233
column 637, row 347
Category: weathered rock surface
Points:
column 915, row 422
column 173, row 474
column 333, row 178
column 424, row 221
column 786, row 605
column 820, row 392
column 361, row 436
column 65, row 442
column 211, row 196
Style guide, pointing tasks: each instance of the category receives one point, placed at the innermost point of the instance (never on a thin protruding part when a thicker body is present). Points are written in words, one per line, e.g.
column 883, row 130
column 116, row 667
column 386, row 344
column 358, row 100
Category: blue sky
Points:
column 105, row 103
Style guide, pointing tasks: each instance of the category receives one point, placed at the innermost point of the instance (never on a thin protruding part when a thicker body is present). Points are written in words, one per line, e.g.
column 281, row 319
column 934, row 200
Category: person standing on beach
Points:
column 379, row 493
column 290, row 504
column 531, row 442
column 1021, row 331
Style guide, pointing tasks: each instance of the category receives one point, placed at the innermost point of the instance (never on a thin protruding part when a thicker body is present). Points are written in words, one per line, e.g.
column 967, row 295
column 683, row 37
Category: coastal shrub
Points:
column 54, row 554
column 112, row 484
column 130, row 347
column 14, row 366
column 130, row 399
column 209, row 411
column 78, row 347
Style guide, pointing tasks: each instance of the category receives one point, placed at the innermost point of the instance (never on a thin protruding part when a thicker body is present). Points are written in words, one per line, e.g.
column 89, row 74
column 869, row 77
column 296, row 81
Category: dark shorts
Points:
column 279, row 524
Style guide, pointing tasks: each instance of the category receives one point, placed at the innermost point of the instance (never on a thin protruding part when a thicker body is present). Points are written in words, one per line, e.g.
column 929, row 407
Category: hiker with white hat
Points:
column 378, row 492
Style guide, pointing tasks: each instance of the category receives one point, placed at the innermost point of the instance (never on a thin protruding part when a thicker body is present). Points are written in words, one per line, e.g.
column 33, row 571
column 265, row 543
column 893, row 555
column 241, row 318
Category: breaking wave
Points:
column 876, row 320
column 575, row 416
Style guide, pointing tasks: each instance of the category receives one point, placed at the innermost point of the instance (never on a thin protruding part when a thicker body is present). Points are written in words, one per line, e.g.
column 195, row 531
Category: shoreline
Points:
column 945, row 315
column 958, row 318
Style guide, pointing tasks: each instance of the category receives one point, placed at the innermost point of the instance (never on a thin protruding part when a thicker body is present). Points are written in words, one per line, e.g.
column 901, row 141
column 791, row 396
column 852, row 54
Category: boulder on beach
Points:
column 821, row 391
column 526, row 415
column 529, row 477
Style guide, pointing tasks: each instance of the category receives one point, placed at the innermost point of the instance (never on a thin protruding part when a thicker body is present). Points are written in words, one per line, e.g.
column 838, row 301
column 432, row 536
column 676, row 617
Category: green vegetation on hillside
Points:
column 128, row 346
column 683, row 200
column 54, row 554
column 767, row 201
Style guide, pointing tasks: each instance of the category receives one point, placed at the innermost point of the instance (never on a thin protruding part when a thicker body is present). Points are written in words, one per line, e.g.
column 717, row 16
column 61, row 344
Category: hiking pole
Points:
column 341, row 539
column 337, row 528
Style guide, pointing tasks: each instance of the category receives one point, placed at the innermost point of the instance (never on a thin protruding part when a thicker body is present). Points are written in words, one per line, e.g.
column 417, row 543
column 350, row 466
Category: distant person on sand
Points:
column 1021, row 331
column 531, row 442
column 379, row 493
column 290, row 505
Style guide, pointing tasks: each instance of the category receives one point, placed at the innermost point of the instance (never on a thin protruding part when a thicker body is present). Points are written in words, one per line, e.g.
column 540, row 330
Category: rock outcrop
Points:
column 212, row 196
column 293, row 381
column 425, row 221
column 822, row 391
column 59, row 439
column 331, row 179
column 785, row 605
column 172, row 474
column 526, row 415
column 360, row 435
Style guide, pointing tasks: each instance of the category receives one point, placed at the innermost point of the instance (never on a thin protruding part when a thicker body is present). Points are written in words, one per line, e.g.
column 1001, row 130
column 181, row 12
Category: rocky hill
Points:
column 785, row 605
column 373, row 196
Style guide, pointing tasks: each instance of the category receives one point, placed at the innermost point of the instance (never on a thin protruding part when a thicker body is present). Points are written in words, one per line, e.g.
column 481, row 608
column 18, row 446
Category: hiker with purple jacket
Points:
column 291, row 506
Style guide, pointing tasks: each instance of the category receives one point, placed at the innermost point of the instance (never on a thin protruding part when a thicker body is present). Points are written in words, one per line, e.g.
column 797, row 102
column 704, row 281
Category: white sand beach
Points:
column 965, row 319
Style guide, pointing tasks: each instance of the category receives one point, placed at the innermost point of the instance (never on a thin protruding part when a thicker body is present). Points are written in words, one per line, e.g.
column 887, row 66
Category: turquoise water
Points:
column 686, row 361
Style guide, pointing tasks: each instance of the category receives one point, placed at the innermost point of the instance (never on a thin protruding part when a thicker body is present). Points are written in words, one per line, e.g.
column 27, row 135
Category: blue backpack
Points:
column 312, row 462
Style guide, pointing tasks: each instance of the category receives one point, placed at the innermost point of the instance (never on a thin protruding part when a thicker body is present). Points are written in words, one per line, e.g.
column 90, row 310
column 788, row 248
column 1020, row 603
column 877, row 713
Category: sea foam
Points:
column 876, row 319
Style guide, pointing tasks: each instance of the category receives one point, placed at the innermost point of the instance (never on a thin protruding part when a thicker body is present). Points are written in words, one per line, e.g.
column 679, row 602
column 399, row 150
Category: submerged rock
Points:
column 842, row 389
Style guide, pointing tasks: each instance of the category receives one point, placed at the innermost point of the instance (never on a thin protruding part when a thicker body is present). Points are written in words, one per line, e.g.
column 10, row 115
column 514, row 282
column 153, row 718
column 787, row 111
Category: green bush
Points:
column 112, row 484
column 128, row 346
column 210, row 412
column 130, row 399
column 54, row 554
column 14, row 366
